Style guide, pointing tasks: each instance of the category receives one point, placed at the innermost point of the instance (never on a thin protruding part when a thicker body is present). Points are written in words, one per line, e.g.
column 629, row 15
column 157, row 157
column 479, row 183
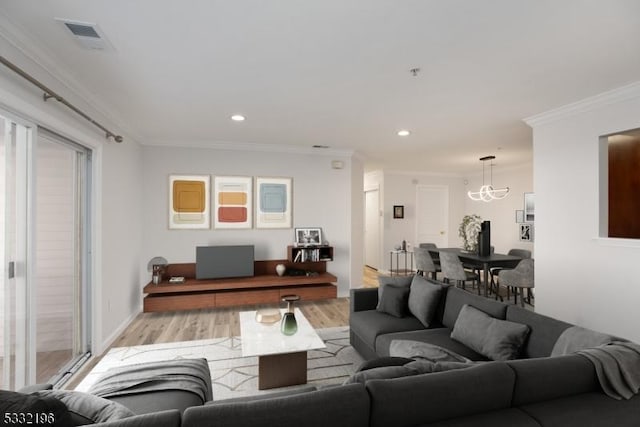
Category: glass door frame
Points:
column 23, row 369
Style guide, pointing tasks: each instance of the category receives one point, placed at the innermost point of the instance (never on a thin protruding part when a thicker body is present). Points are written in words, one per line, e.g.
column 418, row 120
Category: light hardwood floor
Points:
column 155, row 328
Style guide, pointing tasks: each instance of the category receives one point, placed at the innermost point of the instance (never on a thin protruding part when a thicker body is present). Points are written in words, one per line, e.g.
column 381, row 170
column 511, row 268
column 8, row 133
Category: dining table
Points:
column 485, row 262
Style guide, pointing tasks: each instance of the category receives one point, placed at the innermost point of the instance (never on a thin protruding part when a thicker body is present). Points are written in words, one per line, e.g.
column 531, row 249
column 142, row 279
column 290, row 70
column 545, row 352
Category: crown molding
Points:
column 603, row 99
column 423, row 173
column 29, row 49
column 252, row 146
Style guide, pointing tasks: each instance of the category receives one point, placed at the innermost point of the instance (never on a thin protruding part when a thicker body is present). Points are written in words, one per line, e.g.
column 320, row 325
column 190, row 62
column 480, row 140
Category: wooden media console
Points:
column 264, row 287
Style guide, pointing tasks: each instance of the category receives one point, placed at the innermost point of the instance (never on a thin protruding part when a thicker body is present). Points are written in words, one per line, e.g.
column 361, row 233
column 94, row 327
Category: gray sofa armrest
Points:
column 35, row 387
column 363, row 299
column 306, row 389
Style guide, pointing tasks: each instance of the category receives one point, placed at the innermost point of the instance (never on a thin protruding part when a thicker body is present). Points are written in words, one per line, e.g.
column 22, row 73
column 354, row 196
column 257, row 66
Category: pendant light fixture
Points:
column 487, row 193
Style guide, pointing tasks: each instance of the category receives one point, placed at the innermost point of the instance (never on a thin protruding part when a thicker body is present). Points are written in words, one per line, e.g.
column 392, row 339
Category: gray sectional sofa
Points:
column 533, row 390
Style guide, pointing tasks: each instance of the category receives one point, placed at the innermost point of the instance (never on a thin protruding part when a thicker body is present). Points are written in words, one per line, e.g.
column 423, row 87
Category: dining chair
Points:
column 436, row 259
column 424, row 262
column 521, row 278
column 495, row 271
column 452, row 269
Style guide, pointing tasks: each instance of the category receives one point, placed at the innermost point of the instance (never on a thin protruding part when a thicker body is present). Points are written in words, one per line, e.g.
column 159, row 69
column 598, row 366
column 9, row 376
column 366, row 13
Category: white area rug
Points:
column 231, row 374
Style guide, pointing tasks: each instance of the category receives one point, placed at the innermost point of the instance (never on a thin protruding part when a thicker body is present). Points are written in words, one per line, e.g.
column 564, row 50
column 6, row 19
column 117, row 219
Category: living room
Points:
column 549, row 145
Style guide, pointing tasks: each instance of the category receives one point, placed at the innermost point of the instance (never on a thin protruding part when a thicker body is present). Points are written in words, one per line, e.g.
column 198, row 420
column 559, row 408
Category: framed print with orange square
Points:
column 232, row 202
column 189, row 202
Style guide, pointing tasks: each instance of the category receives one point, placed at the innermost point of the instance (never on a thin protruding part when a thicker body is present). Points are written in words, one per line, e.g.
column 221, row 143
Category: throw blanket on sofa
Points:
column 190, row 375
column 577, row 338
column 424, row 351
column 427, row 358
column 616, row 361
column 618, row 368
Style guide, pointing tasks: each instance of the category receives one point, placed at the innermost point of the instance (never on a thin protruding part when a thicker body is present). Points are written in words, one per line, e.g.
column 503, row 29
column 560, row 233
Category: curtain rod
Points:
column 48, row 93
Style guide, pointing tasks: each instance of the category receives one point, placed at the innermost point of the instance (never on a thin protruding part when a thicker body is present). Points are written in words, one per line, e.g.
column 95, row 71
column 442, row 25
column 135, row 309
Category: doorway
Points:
column 432, row 214
column 372, row 228
column 44, row 261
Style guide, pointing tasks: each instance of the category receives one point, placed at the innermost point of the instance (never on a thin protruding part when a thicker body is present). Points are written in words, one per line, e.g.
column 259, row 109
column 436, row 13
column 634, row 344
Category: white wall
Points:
column 579, row 278
column 501, row 213
column 322, row 197
column 399, row 188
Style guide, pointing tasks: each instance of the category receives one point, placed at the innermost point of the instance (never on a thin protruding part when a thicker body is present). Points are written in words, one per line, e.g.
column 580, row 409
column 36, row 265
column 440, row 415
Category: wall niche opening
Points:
column 622, row 189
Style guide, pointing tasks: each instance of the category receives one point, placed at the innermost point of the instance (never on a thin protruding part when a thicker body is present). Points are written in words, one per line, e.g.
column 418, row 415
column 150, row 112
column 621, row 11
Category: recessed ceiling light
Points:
column 403, row 132
column 238, row 118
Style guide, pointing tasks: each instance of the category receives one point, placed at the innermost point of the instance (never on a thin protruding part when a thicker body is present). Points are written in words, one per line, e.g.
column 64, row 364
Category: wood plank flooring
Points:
column 155, row 328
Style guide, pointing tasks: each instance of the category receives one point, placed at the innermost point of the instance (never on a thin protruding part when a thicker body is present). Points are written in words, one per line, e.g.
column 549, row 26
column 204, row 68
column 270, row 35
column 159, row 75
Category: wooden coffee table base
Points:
column 281, row 370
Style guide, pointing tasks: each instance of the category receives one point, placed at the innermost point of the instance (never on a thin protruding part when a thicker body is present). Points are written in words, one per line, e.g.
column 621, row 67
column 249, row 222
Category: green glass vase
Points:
column 289, row 325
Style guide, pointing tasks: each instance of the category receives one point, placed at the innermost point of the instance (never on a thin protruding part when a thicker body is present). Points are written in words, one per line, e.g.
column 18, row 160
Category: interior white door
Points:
column 372, row 228
column 432, row 215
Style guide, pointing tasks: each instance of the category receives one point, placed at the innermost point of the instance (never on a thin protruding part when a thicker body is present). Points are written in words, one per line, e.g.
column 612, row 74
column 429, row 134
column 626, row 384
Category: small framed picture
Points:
column 525, row 232
column 519, row 216
column 308, row 236
column 529, row 207
column 398, row 211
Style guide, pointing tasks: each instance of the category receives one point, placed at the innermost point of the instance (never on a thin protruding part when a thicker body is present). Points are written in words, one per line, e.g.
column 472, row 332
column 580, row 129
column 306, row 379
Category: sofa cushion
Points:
column 456, row 298
column 548, row 378
column 152, row 401
column 497, row 339
column 404, row 281
column 509, row 417
column 14, row 406
column 170, row 418
column 440, row 337
column 368, row 325
column 423, row 399
column 584, row 410
column 86, row 408
column 544, row 331
column 344, row 406
column 424, row 297
column 394, row 300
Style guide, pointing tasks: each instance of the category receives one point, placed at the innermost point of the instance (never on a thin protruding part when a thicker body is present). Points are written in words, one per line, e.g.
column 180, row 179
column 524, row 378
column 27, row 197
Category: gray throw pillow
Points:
column 86, row 408
column 423, row 299
column 394, row 300
column 392, row 280
column 494, row 338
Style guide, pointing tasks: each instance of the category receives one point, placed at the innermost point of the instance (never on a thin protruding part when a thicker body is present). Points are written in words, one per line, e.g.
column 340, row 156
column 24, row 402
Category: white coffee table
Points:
column 282, row 359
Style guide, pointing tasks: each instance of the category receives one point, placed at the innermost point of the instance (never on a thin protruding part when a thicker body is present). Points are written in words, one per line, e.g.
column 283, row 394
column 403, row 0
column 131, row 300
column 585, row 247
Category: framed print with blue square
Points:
column 274, row 204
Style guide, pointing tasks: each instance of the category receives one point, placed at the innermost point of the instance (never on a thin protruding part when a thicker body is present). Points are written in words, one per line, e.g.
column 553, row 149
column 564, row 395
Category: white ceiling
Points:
column 336, row 72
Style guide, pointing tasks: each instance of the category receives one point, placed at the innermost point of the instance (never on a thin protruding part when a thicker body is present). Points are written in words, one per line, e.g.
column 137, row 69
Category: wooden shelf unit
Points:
column 264, row 287
column 298, row 254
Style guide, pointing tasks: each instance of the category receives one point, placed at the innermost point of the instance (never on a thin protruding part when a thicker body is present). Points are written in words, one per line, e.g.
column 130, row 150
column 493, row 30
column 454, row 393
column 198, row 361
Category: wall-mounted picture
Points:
column 232, row 202
column 308, row 236
column 519, row 216
column 525, row 232
column 398, row 211
column 189, row 202
column 529, row 207
column 274, row 204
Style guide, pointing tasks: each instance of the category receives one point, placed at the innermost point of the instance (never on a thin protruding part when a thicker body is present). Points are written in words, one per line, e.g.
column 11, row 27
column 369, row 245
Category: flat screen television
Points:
column 217, row 262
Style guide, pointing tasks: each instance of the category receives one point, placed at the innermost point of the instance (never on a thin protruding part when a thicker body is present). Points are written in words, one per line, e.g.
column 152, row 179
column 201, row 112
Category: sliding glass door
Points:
column 44, row 199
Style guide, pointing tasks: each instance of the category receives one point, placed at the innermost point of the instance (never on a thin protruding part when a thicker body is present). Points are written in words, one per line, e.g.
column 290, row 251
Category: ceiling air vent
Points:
column 88, row 35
